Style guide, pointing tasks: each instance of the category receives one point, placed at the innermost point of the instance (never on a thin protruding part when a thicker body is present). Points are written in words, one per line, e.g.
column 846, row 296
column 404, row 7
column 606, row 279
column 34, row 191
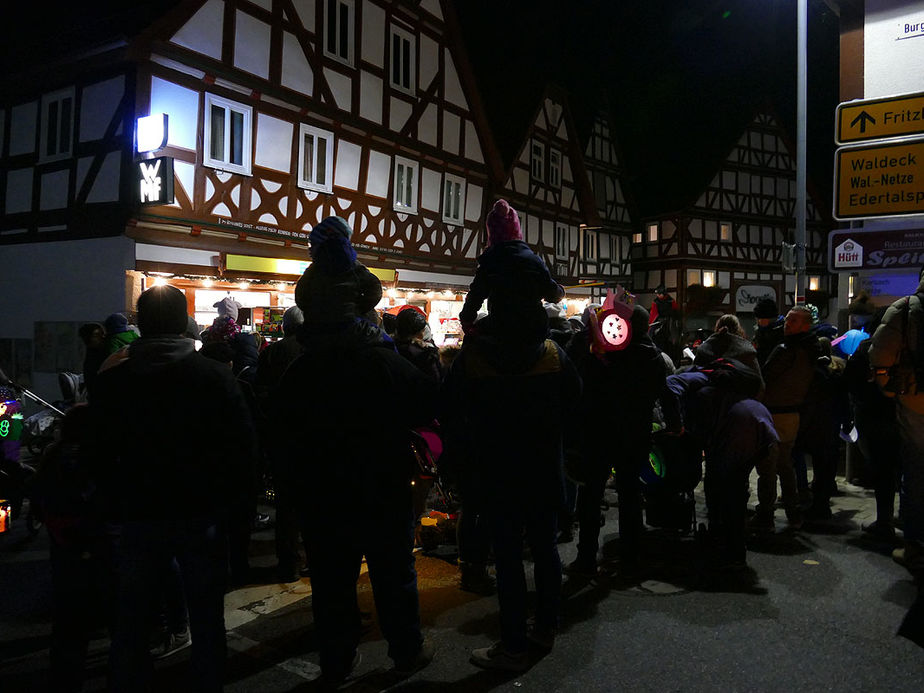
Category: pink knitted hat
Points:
column 503, row 224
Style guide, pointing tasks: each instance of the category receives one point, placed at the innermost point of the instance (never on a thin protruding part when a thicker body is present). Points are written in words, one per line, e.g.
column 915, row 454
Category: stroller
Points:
column 435, row 503
column 673, row 471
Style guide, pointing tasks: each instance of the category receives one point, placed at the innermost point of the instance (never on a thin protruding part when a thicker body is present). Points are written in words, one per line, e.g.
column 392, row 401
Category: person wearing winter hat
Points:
column 228, row 307
column 410, row 343
column 513, row 280
column 118, row 332
column 336, row 288
column 172, row 484
column 769, row 331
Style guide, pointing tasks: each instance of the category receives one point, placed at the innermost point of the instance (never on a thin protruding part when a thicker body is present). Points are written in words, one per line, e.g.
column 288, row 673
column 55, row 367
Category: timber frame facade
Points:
column 280, row 113
column 717, row 254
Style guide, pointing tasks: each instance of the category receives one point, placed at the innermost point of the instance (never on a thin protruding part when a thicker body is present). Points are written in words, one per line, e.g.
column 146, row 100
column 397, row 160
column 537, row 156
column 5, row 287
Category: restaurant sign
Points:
column 853, row 250
column 746, row 297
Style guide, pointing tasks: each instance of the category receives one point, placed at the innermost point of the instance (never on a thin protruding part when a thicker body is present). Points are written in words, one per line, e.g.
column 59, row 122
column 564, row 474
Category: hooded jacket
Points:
column 176, row 435
column 897, row 330
column 513, row 279
column 790, row 372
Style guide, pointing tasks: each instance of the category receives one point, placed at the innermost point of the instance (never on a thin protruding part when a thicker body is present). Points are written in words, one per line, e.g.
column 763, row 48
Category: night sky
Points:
column 683, row 78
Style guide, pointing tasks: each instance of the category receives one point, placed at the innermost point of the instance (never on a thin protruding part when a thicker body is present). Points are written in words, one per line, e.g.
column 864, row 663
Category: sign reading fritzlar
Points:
column 852, row 250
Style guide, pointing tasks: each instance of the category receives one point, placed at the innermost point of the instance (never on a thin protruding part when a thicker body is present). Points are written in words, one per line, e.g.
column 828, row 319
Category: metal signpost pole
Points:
column 801, row 50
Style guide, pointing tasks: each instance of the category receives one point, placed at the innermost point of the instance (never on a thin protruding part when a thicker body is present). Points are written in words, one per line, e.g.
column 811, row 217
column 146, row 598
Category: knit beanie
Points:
column 330, row 246
column 503, row 224
column 410, row 321
column 291, row 319
column 115, row 324
column 639, row 321
column 162, row 311
column 766, row 308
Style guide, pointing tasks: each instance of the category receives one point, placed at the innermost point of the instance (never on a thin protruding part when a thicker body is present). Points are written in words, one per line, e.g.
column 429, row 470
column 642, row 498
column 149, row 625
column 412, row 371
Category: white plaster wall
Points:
column 451, row 129
column 347, row 171
column 53, row 193
column 98, row 104
column 893, row 60
column 429, row 60
column 202, row 33
column 379, row 171
column 341, row 87
column 370, row 97
column 373, row 34
column 430, row 189
column 23, row 121
column 305, row 11
column 426, row 126
column 296, row 72
column 251, row 45
column 182, row 108
column 106, row 184
column 19, row 190
column 454, row 92
column 54, row 283
column 274, row 143
column 399, row 113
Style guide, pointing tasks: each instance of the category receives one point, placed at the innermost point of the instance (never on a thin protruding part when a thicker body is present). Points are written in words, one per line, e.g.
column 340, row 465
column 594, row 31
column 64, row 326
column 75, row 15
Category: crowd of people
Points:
column 150, row 494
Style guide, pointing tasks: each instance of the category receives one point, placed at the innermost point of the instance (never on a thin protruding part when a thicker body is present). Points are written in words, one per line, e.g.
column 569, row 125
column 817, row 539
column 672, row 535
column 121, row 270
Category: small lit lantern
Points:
column 5, row 516
column 611, row 325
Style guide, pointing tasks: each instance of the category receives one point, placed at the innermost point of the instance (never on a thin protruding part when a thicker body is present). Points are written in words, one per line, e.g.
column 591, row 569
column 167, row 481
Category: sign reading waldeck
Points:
column 854, row 250
column 875, row 119
column 879, row 180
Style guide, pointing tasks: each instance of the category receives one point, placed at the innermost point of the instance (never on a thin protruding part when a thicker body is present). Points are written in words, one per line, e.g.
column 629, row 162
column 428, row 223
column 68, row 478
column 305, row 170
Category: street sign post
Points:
column 876, row 119
column 879, row 180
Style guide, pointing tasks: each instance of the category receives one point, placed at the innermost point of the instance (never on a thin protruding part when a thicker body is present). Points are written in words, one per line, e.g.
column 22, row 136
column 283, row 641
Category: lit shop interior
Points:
column 265, row 288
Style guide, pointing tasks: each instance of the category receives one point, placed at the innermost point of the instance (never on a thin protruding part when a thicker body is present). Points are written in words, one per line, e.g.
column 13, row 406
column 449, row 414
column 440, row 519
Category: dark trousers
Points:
column 540, row 526
column 588, row 512
column 881, row 446
column 336, row 546
column 473, row 535
column 144, row 548
column 81, row 579
column 287, row 519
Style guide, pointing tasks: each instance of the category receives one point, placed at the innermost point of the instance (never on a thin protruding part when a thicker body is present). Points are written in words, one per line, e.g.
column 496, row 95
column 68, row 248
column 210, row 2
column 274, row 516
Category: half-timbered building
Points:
column 267, row 116
column 725, row 250
column 607, row 239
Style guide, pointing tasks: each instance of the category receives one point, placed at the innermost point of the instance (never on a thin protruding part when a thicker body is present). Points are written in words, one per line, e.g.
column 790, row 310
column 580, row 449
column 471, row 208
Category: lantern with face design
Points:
column 610, row 325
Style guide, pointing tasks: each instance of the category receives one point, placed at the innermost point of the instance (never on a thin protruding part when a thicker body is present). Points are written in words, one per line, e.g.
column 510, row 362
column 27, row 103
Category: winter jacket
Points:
column 888, row 343
column 871, row 408
column 344, row 411
column 732, row 347
column 767, row 338
column 619, row 392
column 423, row 355
column 176, row 434
column 513, row 279
column 116, row 341
column 508, row 410
column 272, row 363
column 339, row 297
column 789, row 372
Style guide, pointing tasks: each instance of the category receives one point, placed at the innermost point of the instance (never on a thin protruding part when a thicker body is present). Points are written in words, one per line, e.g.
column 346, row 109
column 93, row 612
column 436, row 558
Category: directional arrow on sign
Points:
column 863, row 119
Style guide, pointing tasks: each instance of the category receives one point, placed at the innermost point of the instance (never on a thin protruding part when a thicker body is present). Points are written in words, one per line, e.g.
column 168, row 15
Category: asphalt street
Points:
column 817, row 609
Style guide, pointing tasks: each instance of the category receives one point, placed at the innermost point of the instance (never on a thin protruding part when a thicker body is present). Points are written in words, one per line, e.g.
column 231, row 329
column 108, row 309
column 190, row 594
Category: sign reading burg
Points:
column 879, row 180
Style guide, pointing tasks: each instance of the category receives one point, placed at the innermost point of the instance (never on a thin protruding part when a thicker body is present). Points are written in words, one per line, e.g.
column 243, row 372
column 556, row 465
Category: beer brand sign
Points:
column 895, row 249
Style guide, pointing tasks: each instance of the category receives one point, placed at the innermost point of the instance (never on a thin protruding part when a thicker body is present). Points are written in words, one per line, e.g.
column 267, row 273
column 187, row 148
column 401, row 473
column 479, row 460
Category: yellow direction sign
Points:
column 874, row 119
column 880, row 180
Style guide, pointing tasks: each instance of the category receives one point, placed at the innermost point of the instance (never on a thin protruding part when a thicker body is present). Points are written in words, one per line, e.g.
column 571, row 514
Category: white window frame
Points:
column 337, row 53
column 589, row 241
column 48, row 100
column 554, row 167
column 725, row 231
column 405, row 38
column 654, row 231
column 244, row 168
column 537, row 160
column 561, row 242
column 400, row 204
column 453, row 213
column 312, row 182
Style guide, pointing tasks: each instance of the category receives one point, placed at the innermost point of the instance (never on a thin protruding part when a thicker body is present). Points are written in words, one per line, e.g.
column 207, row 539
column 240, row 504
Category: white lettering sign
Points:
column 848, row 254
column 150, row 181
column 746, row 297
